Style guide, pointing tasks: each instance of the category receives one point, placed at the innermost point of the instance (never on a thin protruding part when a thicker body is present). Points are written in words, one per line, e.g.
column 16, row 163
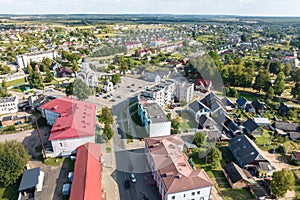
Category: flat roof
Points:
column 155, row 113
column 30, row 179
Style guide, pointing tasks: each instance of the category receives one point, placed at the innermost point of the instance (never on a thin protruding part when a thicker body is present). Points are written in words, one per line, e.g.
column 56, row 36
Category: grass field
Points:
column 15, row 82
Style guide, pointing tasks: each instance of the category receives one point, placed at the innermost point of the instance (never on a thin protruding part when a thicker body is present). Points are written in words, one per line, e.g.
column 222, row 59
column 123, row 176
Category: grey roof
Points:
column 241, row 101
column 7, row 99
column 249, row 106
column 197, row 105
column 227, row 102
column 258, row 105
column 213, row 135
column 206, row 121
column 245, row 150
column 285, row 126
column 155, row 113
column 212, row 101
column 235, row 173
column 149, row 76
column 250, row 125
column 30, row 179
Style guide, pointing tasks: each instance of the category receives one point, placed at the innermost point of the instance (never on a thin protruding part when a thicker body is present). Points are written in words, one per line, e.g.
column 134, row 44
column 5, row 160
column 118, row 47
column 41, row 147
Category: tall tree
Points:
column 80, row 89
column 106, row 116
column 275, row 67
column 199, row 138
column 214, row 157
column 296, row 90
column 270, row 94
column 279, row 84
column 116, row 78
column 282, row 181
column 35, row 79
column 261, row 80
column 287, row 69
column 296, row 75
column 175, row 125
column 13, row 158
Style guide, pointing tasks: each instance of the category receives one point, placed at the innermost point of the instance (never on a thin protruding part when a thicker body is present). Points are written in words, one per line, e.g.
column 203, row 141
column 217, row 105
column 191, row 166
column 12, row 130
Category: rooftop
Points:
column 155, row 113
column 173, row 167
column 7, row 99
column 30, row 179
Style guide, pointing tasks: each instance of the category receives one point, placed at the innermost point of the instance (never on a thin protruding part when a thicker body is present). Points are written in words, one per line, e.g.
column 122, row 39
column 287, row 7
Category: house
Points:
column 249, row 108
column 206, row 122
column 154, row 119
column 24, row 59
column 287, row 127
column 259, row 106
column 228, row 104
column 63, row 72
column 172, row 172
column 14, row 119
column 86, row 183
column 232, row 127
column 73, row 124
column 212, row 101
column 296, row 155
column 294, row 135
column 203, row 85
column 252, row 128
column 261, row 121
column 151, row 77
column 8, row 105
column 237, row 177
column 188, row 143
column 214, row 135
column 241, row 102
column 184, row 91
column 31, row 183
column 284, row 109
column 246, row 151
column 197, row 108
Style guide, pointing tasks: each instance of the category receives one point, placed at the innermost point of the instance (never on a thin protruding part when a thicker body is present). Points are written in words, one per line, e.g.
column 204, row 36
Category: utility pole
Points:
column 41, row 141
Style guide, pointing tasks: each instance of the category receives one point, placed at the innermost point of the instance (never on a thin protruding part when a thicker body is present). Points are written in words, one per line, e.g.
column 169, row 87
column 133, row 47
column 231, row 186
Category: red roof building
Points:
column 73, row 124
column 203, row 85
column 86, row 184
column 174, row 176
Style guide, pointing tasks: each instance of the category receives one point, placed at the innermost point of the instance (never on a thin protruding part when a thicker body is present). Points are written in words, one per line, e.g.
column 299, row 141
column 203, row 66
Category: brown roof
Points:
column 296, row 154
column 173, row 167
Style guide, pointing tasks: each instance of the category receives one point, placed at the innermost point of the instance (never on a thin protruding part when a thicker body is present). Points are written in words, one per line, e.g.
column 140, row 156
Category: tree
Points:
column 47, row 62
column 214, row 157
column 106, row 116
column 275, row 67
column 261, row 80
column 116, row 78
column 4, row 69
column 199, row 138
column 287, row 69
column 270, row 93
column 296, row 75
column 69, row 89
column 49, row 76
column 296, row 90
column 80, row 89
column 3, row 89
column 282, row 181
column 13, row 158
column 279, row 84
column 108, row 132
column 175, row 125
column 35, row 79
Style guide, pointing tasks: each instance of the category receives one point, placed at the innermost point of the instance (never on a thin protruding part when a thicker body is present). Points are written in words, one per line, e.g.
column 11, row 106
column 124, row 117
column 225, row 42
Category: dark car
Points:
column 127, row 184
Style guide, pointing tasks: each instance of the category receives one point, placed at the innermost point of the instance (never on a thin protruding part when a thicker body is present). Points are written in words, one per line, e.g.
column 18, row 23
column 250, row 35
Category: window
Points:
column 183, row 195
column 202, row 198
column 173, row 197
column 193, row 193
column 198, row 192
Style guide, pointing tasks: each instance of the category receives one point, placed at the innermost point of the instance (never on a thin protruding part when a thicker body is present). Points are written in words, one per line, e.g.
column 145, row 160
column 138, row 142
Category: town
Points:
column 137, row 107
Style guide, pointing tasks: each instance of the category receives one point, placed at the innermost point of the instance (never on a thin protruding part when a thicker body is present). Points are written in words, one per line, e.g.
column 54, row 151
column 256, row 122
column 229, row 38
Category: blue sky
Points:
column 228, row 7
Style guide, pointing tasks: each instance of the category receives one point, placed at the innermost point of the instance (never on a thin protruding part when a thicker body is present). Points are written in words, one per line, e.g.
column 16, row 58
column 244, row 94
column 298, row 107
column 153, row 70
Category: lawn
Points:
column 9, row 193
column 297, row 182
column 15, row 82
column 236, row 194
column 188, row 121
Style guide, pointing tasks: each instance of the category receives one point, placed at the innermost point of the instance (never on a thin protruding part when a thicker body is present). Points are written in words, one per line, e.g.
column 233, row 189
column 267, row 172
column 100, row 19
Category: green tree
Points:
column 80, row 89
column 48, row 76
column 296, row 90
column 106, row 116
column 108, row 132
column 279, row 84
column 47, row 62
column 69, row 89
column 4, row 69
column 287, row 69
column 214, row 157
column 261, row 80
column 199, row 138
column 13, row 158
column 275, row 67
column 282, row 181
column 175, row 125
column 296, row 75
column 116, row 78
column 270, row 93
column 35, row 79
column 3, row 89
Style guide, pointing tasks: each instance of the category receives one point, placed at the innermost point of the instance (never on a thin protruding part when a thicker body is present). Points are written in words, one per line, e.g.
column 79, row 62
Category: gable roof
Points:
column 173, row 167
column 30, row 179
column 204, row 83
column 245, row 150
column 235, row 173
column 258, row 105
column 197, row 105
column 86, row 184
column 250, row 125
column 285, row 126
column 206, row 121
column 241, row 101
column 296, row 154
column 227, row 102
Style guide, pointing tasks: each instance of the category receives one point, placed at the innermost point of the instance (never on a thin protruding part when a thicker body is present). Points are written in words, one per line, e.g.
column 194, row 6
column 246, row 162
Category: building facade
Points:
column 184, row 91
column 24, row 59
column 8, row 105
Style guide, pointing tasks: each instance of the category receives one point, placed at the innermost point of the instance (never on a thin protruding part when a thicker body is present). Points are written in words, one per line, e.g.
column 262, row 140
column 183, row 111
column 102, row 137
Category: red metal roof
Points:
column 86, row 184
column 77, row 119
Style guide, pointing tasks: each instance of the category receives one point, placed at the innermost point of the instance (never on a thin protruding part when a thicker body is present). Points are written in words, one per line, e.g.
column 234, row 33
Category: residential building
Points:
column 203, row 85
column 247, row 154
column 228, row 104
column 151, row 77
column 259, row 106
column 172, row 172
column 296, row 155
column 252, row 128
column 154, row 119
column 86, row 182
column 284, row 109
column 241, row 102
column 8, row 105
column 24, row 59
column 237, row 177
column 261, row 121
column 197, row 108
column 206, row 122
column 162, row 93
column 133, row 45
column 7, row 120
column 73, row 124
column 31, row 183
column 158, row 42
column 184, row 91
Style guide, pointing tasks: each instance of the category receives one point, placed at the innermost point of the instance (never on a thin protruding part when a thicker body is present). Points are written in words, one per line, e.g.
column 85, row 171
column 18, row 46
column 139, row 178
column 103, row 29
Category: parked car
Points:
column 132, row 178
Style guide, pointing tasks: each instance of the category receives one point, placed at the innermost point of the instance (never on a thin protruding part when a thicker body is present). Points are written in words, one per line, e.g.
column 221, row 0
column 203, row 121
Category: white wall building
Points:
column 175, row 178
column 24, row 59
column 8, row 105
column 184, row 91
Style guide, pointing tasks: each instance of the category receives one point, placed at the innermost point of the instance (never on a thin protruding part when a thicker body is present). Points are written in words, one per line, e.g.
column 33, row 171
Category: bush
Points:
column 281, row 150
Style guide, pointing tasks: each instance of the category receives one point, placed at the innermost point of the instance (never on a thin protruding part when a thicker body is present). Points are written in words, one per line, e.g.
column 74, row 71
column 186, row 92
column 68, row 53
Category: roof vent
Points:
column 252, row 153
column 239, row 139
column 244, row 147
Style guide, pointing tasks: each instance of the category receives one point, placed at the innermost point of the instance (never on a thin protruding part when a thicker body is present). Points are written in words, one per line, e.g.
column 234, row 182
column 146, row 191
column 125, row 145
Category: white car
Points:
column 132, row 178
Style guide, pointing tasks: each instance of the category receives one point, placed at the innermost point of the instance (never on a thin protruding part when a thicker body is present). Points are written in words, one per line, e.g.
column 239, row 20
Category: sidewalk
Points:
column 109, row 185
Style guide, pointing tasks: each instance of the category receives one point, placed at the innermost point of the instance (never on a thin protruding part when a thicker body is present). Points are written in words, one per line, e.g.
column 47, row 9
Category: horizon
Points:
column 254, row 8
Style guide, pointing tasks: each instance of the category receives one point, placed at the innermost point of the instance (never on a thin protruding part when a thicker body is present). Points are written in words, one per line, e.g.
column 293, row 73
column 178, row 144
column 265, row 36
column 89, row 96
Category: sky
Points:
column 202, row 7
